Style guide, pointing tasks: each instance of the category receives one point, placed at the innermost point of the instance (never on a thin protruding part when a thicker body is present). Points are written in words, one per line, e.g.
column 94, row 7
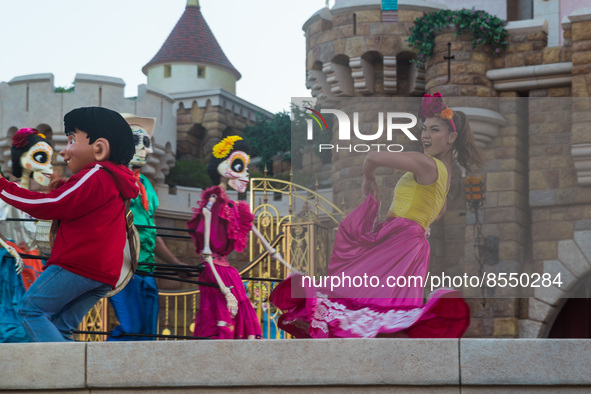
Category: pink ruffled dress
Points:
column 394, row 248
column 230, row 224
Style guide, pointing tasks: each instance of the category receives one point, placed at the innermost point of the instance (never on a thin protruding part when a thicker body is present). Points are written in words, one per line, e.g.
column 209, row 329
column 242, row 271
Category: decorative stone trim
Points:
column 484, row 123
column 339, row 78
column 581, row 15
column 32, row 78
column 581, row 154
column 420, row 5
column 220, row 98
column 362, row 72
column 99, row 79
column 574, row 263
column 322, row 14
column 417, row 81
column 355, row 5
column 566, row 23
column 390, row 75
column 527, row 26
column 316, row 82
column 541, row 76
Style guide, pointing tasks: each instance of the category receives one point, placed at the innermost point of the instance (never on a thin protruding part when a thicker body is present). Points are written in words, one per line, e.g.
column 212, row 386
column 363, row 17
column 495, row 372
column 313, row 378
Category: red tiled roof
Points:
column 191, row 40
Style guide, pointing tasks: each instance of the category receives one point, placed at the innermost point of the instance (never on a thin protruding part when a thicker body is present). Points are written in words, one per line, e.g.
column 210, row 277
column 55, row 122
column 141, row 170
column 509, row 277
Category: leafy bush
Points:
column 486, row 29
column 190, row 173
column 267, row 138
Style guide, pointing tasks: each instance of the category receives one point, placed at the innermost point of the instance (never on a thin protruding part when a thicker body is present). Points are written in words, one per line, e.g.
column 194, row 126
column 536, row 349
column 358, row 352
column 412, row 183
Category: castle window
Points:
column 200, row 71
column 167, row 71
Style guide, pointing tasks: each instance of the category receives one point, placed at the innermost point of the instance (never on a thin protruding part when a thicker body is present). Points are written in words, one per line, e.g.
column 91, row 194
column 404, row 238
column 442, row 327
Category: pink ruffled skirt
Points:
column 213, row 318
column 395, row 248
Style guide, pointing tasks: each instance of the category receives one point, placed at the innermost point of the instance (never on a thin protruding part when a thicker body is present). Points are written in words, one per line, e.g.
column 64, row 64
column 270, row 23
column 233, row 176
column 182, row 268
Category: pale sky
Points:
column 262, row 38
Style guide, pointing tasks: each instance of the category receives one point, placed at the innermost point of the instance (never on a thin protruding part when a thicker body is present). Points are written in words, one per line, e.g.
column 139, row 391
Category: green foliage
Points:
column 486, row 29
column 190, row 173
column 63, row 89
column 299, row 134
column 285, row 133
column 267, row 138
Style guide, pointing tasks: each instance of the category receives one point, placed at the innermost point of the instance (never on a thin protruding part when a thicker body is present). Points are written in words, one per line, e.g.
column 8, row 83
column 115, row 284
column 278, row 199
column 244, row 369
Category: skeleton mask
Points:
column 143, row 146
column 38, row 160
column 235, row 169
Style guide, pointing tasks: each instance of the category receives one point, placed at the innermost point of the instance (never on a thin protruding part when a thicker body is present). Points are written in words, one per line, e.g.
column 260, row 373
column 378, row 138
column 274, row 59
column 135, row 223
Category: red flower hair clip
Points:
column 433, row 106
column 20, row 139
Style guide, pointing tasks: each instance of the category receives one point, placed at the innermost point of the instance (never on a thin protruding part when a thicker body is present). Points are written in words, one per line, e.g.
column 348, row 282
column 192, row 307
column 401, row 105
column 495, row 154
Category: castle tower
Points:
column 193, row 69
column 191, row 58
column 535, row 141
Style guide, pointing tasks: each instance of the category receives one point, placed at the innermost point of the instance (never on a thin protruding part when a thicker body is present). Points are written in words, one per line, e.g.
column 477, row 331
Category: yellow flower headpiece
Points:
column 223, row 148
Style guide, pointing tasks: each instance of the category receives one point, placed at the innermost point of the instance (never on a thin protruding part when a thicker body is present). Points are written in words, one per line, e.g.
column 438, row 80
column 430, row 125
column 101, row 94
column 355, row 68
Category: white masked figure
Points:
column 234, row 171
column 143, row 129
column 31, row 158
column 136, row 305
column 36, row 164
column 222, row 226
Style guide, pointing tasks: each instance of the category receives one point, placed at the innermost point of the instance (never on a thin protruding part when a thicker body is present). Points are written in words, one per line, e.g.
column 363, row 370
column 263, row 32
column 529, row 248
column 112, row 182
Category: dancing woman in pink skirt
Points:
column 395, row 248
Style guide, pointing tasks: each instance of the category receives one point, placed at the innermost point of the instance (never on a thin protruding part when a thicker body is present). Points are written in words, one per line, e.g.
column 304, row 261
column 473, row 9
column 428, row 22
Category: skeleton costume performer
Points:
column 31, row 158
column 230, row 224
column 396, row 247
column 136, row 306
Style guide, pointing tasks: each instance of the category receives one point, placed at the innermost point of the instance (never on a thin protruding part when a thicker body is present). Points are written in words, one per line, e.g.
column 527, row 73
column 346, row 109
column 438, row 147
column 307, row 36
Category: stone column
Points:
column 581, row 91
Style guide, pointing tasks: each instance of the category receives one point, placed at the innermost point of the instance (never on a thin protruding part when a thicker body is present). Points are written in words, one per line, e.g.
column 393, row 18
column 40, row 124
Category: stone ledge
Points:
column 534, row 362
column 27, row 366
column 333, row 365
column 527, row 26
column 274, row 363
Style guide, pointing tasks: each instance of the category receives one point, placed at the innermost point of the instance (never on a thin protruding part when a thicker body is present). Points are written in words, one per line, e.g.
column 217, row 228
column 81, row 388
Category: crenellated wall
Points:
column 31, row 101
column 205, row 117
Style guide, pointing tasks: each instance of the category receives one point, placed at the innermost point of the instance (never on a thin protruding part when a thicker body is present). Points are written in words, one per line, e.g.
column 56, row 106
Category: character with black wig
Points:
column 87, row 254
column 222, row 226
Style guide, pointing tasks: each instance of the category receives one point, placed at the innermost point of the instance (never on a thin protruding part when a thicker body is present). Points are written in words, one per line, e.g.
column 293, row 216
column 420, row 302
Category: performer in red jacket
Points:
column 87, row 254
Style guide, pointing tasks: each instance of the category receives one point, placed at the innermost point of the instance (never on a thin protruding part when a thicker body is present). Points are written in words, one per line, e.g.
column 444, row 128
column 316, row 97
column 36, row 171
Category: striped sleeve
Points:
column 77, row 197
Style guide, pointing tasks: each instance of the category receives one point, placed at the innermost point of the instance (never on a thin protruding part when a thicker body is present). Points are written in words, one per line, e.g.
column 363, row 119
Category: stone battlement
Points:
column 371, row 365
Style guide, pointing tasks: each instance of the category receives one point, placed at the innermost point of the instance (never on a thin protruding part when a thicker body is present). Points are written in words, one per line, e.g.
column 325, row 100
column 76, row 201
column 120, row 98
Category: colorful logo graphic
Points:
column 315, row 117
column 387, row 123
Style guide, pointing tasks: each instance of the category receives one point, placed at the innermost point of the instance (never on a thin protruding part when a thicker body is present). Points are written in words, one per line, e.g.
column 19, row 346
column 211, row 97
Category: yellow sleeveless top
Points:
column 420, row 203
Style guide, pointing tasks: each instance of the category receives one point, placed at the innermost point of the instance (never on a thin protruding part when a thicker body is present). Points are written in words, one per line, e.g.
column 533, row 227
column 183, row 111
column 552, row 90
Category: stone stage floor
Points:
column 300, row 366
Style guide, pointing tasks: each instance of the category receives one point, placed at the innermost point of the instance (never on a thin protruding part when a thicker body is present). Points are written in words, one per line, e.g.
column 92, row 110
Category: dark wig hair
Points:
column 99, row 122
column 468, row 154
column 214, row 162
column 17, row 152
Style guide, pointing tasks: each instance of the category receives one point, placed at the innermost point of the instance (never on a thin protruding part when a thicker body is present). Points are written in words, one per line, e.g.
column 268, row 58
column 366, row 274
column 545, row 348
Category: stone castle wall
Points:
column 31, row 101
column 529, row 110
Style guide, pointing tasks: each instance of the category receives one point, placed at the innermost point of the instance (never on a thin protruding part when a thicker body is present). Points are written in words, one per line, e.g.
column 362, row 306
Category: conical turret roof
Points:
column 191, row 40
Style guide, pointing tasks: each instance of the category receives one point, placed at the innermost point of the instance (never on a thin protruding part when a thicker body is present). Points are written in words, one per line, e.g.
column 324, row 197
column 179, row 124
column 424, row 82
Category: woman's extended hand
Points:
column 369, row 186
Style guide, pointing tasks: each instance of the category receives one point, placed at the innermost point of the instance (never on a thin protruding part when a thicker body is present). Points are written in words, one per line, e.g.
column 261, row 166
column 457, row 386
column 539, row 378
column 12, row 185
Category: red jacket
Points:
column 90, row 207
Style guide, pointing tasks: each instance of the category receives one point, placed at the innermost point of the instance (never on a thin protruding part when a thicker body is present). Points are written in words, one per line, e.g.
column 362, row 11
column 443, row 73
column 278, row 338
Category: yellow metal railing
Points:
column 303, row 239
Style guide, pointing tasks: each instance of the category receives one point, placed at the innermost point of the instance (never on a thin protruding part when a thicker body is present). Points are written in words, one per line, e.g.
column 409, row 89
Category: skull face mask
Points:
column 38, row 160
column 235, row 170
column 142, row 146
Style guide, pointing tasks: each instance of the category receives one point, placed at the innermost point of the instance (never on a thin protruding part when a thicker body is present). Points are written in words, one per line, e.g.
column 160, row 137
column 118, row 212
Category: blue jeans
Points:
column 136, row 308
column 56, row 303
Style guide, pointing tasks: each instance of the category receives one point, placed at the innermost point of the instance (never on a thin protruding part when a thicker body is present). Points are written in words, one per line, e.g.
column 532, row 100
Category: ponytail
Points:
column 468, row 154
